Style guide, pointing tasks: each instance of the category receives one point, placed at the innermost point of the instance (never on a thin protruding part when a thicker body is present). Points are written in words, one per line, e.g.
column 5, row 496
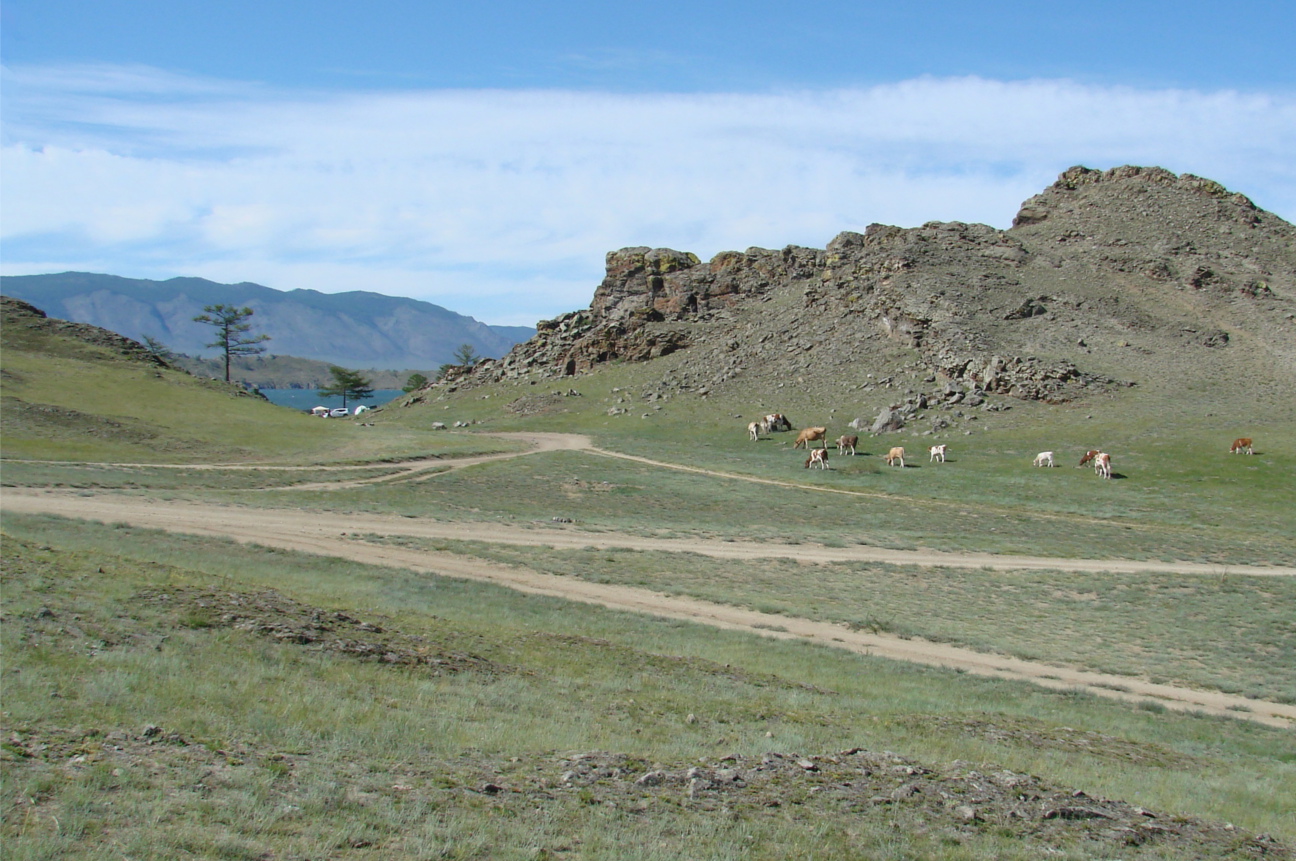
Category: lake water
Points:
column 304, row 399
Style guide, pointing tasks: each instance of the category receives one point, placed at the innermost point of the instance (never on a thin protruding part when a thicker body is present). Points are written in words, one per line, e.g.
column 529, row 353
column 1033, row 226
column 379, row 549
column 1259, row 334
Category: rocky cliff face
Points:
column 1105, row 279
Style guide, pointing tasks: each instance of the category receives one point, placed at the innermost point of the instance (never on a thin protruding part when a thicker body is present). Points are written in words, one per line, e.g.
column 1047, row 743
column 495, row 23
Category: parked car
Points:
column 338, row 413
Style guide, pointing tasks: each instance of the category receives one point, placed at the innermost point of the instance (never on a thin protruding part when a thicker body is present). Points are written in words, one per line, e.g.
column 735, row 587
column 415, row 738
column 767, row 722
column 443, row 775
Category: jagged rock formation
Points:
column 1105, row 279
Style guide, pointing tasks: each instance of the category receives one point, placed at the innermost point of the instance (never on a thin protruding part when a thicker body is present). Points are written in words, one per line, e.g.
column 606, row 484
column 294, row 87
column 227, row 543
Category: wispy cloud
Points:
column 501, row 204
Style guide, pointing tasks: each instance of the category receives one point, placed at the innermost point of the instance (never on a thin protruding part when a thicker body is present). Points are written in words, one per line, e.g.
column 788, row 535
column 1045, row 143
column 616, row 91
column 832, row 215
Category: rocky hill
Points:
column 19, row 319
column 1128, row 277
column 355, row 330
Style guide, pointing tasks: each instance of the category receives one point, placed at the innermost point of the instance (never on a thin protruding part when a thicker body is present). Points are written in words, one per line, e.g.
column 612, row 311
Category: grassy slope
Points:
column 280, row 725
column 1178, row 494
column 68, row 400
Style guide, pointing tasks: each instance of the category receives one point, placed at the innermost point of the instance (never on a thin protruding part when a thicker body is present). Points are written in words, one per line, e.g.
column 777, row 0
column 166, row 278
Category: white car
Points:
column 338, row 413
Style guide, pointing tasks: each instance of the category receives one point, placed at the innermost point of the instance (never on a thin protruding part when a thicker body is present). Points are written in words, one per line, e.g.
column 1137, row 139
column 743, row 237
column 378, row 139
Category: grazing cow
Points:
column 1102, row 464
column 896, row 455
column 1241, row 445
column 775, row 422
column 817, row 456
column 809, row 435
column 937, row 452
column 1088, row 456
column 847, row 442
column 753, row 431
column 1044, row 458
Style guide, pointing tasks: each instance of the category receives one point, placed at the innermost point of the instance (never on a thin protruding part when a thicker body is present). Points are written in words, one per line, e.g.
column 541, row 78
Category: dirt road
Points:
column 339, row 536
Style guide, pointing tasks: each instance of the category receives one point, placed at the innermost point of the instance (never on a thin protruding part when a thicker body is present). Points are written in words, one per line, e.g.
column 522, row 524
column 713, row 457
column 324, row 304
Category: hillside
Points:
column 355, row 330
column 233, row 630
column 72, row 391
column 1133, row 277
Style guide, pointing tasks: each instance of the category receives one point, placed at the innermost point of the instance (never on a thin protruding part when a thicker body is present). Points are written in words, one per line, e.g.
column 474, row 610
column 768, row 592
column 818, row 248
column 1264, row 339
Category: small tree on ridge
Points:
column 347, row 384
column 232, row 332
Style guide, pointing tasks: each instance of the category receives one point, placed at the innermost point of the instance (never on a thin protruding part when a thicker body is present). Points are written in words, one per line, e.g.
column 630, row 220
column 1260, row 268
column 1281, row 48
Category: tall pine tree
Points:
column 233, row 330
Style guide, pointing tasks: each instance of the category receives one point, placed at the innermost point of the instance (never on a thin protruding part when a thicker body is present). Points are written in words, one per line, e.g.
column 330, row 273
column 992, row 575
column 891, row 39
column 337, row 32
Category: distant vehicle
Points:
column 338, row 413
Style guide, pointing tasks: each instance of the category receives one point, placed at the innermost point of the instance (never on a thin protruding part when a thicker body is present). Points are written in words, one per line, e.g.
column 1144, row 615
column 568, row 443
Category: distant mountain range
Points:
column 354, row 330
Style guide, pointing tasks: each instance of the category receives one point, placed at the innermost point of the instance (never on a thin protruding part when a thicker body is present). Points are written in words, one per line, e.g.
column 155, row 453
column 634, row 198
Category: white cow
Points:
column 1044, row 458
column 937, row 452
column 753, row 430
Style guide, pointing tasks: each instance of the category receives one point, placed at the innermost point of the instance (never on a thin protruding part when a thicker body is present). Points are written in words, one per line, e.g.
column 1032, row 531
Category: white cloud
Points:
column 502, row 204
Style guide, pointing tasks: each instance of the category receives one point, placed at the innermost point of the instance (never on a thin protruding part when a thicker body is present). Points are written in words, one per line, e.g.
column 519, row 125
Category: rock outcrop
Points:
column 1105, row 279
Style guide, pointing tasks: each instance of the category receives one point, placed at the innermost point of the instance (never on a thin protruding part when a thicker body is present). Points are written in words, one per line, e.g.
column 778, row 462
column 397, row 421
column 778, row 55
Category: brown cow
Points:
column 809, row 435
column 847, row 442
column 1241, row 445
column 895, row 455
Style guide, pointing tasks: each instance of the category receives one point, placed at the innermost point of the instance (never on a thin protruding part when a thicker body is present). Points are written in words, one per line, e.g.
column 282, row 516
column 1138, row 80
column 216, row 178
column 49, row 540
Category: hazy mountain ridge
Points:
column 354, row 329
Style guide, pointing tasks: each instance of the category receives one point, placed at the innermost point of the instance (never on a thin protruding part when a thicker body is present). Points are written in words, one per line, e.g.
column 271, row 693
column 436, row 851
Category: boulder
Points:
column 888, row 420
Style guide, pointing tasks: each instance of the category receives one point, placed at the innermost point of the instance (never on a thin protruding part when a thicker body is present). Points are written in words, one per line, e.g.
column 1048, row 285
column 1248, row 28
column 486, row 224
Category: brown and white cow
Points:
column 847, row 442
column 818, row 456
column 1241, row 445
column 896, row 456
column 1088, row 456
column 937, row 453
column 1102, row 464
column 809, row 435
column 775, row 422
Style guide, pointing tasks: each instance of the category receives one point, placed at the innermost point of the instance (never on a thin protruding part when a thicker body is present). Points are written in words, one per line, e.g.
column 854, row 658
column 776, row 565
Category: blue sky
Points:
column 485, row 157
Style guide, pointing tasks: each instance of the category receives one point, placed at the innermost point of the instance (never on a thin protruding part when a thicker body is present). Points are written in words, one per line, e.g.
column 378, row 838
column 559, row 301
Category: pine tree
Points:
column 347, row 384
column 232, row 332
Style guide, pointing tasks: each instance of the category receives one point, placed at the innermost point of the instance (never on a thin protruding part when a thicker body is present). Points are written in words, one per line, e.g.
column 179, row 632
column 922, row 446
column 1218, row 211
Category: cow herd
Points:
column 1101, row 460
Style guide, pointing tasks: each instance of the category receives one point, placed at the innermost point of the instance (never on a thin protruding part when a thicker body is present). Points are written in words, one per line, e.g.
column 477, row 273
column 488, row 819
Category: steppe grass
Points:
column 1227, row 632
column 305, row 753
column 108, row 476
column 87, row 408
column 611, row 493
column 1177, row 494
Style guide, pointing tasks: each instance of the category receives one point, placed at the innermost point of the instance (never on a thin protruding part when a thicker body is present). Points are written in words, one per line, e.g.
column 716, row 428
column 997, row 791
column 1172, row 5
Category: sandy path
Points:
column 338, row 535
column 327, row 534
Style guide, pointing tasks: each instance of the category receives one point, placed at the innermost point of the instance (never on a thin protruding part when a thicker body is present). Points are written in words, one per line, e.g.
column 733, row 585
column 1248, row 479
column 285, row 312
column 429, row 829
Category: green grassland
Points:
column 1177, row 495
column 81, row 402
column 170, row 696
column 139, row 721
